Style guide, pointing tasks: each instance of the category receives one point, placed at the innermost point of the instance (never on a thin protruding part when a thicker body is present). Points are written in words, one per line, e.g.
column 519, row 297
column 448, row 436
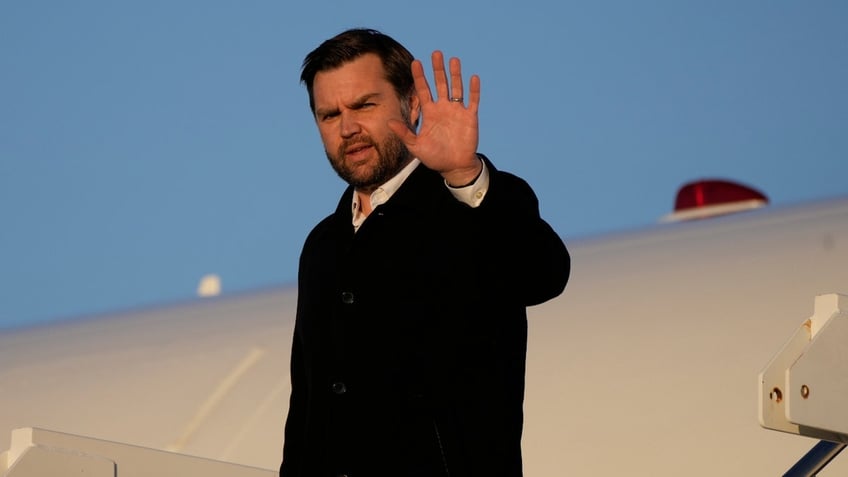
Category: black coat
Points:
column 410, row 337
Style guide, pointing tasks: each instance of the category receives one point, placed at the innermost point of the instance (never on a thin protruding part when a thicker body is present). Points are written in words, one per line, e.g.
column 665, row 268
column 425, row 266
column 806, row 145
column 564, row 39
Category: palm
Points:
column 447, row 138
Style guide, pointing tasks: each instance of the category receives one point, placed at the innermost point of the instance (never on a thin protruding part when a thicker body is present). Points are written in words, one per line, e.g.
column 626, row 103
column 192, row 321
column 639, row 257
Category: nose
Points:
column 349, row 124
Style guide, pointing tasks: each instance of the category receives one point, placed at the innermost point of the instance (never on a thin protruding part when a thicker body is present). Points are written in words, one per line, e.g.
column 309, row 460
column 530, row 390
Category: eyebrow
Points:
column 356, row 104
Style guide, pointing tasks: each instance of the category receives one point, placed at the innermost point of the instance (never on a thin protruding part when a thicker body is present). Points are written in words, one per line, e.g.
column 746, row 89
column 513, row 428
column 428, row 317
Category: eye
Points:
column 329, row 116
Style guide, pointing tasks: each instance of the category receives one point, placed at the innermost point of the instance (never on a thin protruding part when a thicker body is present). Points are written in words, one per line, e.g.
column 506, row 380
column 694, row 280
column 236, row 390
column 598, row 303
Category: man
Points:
column 410, row 338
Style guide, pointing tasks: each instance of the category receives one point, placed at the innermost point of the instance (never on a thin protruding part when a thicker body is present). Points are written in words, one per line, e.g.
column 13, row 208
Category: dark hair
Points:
column 350, row 45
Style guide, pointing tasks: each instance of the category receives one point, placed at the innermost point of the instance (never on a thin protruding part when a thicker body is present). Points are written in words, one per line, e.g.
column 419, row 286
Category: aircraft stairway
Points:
column 38, row 452
column 803, row 389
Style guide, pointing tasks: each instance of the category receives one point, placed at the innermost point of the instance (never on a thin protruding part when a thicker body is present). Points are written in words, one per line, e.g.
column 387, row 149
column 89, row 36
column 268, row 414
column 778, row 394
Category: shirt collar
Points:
column 382, row 194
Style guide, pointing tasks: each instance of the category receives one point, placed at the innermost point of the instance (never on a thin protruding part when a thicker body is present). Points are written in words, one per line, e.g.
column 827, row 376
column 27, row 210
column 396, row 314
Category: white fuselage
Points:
column 646, row 365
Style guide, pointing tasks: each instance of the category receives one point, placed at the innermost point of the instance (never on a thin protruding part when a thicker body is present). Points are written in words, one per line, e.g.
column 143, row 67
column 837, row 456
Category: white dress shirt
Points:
column 471, row 194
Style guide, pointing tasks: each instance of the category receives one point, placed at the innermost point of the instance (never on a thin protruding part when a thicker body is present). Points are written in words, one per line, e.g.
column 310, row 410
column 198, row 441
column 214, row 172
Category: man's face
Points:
column 353, row 104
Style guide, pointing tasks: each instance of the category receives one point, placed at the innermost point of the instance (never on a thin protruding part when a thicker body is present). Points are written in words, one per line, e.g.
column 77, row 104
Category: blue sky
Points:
column 145, row 144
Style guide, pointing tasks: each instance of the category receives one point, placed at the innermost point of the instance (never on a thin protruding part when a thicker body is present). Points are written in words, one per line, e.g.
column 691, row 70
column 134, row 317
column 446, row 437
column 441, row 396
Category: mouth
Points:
column 358, row 152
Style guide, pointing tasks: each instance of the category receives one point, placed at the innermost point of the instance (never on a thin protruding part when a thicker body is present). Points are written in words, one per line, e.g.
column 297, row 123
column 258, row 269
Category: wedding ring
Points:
column 457, row 100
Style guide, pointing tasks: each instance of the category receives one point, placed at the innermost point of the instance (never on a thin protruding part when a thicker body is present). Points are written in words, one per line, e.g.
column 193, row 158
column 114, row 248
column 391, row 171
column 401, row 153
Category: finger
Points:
column 474, row 94
column 456, row 78
column 439, row 75
column 401, row 129
column 422, row 89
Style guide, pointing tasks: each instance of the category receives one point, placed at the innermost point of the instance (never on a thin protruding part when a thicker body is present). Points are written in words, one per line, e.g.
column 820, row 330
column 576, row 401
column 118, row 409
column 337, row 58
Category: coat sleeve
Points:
column 523, row 253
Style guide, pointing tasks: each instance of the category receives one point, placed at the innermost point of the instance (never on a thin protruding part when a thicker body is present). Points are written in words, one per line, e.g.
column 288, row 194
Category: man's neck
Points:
column 364, row 201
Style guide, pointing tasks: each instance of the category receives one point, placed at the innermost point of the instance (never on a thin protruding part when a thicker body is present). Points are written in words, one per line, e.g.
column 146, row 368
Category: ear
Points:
column 414, row 111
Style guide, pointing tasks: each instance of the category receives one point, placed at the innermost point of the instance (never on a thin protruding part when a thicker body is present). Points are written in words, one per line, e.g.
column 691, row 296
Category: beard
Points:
column 392, row 156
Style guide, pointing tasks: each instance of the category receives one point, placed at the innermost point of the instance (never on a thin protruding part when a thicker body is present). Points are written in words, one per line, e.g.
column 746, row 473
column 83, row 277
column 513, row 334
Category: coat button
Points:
column 339, row 387
column 347, row 298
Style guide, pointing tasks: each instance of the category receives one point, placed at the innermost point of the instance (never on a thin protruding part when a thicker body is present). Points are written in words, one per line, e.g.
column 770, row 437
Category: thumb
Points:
column 401, row 129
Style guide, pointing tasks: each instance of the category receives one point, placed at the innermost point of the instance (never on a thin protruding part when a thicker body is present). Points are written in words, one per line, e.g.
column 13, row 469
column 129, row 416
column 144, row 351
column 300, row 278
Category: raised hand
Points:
column 448, row 134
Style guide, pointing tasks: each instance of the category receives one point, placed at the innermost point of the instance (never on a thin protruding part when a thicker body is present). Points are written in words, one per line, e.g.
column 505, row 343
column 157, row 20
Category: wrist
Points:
column 460, row 178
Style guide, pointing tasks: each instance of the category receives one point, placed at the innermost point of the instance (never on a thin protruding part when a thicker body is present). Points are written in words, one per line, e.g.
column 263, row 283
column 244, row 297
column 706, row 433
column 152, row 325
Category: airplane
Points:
column 646, row 365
